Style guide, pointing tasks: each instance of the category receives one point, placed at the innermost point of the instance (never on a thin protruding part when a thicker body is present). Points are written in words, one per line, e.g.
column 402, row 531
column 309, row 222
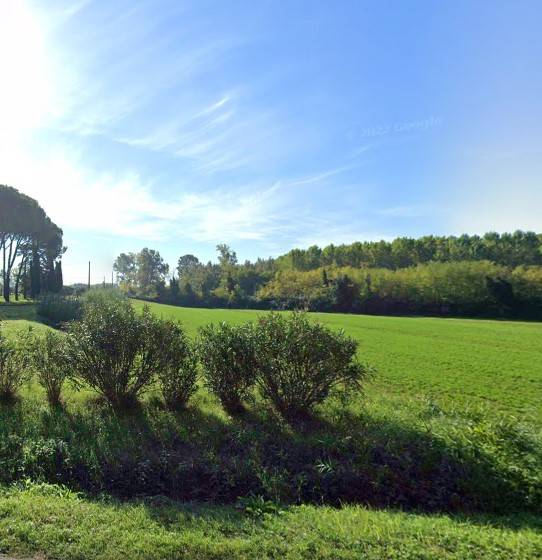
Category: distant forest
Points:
column 490, row 275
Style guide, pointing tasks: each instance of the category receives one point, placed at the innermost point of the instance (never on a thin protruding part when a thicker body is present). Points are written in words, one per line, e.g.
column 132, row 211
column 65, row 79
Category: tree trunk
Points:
column 5, row 275
column 25, row 283
column 14, row 242
column 22, row 266
column 35, row 273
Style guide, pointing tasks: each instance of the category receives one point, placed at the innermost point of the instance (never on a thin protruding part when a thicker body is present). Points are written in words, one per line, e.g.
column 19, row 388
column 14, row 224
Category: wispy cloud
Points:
column 319, row 177
column 409, row 211
column 82, row 200
column 227, row 133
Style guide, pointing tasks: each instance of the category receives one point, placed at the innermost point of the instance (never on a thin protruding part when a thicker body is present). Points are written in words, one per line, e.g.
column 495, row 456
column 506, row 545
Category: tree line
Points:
column 30, row 245
column 508, row 249
column 402, row 276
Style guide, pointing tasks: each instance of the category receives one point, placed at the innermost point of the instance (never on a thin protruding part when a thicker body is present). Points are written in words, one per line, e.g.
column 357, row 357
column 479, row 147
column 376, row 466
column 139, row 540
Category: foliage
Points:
column 416, row 441
column 141, row 273
column 300, row 362
column 115, row 350
column 226, row 257
column 227, row 355
column 78, row 527
column 26, row 235
column 102, row 296
column 461, row 288
column 258, row 507
column 186, row 264
column 13, row 366
column 412, row 455
column 48, row 361
column 508, row 249
column 178, row 369
column 58, row 309
column 466, row 275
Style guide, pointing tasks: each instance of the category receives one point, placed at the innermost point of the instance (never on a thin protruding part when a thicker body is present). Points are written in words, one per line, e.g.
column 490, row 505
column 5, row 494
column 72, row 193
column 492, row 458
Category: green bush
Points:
column 300, row 362
column 178, row 371
column 13, row 367
column 227, row 355
column 96, row 296
column 115, row 350
column 47, row 354
column 59, row 309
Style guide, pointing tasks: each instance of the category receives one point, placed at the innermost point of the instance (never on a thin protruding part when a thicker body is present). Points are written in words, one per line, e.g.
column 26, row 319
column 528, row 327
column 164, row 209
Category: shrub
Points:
column 115, row 350
column 300, row 362
column 59, row 309
column 229, row 363
column 13, row 367
column 48, row 359
column 97, row 296
column 178, row 370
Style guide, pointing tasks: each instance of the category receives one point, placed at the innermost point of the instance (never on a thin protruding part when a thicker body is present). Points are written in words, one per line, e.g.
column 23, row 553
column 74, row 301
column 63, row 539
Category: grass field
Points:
column 427, row 368
column 456, row 361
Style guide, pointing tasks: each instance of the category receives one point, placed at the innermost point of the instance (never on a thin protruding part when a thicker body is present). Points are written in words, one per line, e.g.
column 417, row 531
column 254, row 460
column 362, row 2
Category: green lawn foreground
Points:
column 67, row 527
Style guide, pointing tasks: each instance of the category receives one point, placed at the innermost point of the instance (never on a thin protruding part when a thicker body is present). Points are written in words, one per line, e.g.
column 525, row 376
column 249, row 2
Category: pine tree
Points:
column 51, row 277
column 174, row 289
column 59, row 280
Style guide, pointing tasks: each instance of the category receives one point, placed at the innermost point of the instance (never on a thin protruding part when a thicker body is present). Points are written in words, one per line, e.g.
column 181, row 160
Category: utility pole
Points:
column 89, row 275
column 112, row 283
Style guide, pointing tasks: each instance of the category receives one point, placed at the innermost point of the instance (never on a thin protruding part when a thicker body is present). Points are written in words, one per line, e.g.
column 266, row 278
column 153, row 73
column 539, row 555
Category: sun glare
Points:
column 26, row 92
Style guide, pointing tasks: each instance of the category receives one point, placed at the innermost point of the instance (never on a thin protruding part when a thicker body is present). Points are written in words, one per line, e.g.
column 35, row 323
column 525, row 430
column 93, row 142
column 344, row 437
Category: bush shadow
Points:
column 196, row 456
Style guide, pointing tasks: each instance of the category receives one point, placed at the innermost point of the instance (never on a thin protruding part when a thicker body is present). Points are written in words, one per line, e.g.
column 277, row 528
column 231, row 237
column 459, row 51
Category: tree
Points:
column 226, row 257
column 502, row 291
column 25, row 229
column 186, row 264
column 174, row 291
column 21, row 276
column 51, row 277
column 189, row 297
column 509, row 249
column 151, row 271
column 346, row 293
column 59, row 281
column 143, row 273
column 35, row 274
column 125, row 268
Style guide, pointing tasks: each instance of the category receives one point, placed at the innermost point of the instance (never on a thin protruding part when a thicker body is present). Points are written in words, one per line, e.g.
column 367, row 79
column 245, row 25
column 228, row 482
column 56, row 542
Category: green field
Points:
column 463, row 361
column 438, row 382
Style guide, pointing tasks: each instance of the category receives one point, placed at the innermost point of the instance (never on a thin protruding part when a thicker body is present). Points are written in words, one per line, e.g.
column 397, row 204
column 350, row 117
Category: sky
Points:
column 269, row 125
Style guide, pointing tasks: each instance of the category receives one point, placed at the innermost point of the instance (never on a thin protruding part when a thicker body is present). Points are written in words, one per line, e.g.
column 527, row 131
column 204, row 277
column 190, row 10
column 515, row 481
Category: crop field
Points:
column 497, row 364
column 442, row 386
column 464, row 362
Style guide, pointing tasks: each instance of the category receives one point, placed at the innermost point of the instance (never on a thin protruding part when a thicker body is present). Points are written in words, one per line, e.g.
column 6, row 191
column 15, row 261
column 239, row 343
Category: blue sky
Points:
column 270, row 125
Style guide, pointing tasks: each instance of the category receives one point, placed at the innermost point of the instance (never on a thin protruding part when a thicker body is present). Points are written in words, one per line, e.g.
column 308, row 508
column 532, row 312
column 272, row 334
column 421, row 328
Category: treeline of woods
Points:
column 491, row 275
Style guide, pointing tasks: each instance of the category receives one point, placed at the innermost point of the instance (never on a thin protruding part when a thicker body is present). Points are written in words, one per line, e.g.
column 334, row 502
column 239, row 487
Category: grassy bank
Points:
column 69, row 527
